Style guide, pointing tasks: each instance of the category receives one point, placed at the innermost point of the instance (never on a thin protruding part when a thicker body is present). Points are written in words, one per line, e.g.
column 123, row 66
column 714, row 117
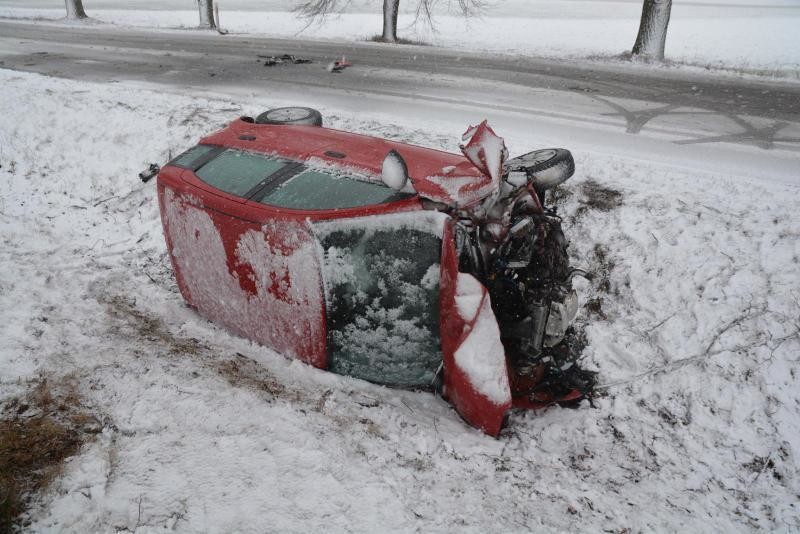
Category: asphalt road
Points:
column 60, row 50
column 655, row 111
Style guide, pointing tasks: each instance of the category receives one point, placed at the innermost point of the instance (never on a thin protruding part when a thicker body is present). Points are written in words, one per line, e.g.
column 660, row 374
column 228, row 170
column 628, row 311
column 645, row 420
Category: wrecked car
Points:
column 396, row 264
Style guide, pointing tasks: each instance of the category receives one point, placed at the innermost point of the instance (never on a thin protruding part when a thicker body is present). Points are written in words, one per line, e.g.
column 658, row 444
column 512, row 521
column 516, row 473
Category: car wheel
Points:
column 291, row 115
column 539, row 160
column 549, row 167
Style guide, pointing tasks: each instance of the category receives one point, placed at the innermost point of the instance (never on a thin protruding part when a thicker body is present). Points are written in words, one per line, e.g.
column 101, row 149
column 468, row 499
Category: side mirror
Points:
column 394, row 171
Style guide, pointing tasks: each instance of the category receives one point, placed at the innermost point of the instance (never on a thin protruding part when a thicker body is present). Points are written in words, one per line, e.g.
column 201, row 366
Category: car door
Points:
column 475, row 372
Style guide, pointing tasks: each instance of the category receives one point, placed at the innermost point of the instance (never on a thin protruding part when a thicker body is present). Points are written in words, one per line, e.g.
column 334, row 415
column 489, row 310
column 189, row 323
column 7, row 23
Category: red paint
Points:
column 362, row 152
column 479, row 136
column 473, row 406
column 232, row 221
column 284, row 230
column 538, row 402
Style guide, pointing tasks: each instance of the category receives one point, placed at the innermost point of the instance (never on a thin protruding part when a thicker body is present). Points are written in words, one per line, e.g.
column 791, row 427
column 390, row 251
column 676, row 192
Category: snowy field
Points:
column 694, row 330
column 759, row 36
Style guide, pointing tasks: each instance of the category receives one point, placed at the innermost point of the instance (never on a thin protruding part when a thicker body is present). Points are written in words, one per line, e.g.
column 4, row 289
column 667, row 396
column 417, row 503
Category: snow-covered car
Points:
column 393, row 263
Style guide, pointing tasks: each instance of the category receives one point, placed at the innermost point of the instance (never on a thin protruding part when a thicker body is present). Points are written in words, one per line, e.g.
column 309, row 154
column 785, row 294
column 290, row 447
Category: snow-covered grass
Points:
column 692, row 323
column 757, row 37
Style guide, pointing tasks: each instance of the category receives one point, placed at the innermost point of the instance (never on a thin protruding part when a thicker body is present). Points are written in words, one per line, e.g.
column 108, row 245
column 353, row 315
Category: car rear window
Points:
column 324, row 190
column 239, row 173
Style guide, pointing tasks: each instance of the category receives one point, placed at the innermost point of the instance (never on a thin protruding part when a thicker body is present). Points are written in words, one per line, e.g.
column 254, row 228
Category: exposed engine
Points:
column 514, row 244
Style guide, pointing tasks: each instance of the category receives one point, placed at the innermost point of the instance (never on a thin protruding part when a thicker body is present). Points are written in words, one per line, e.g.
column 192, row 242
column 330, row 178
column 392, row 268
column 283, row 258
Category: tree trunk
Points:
column 390, row 10
column 653, row 29
column 206, row 8
column 75, row 9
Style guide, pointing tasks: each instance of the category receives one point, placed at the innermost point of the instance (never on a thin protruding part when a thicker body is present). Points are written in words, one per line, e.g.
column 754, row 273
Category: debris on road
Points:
column 271, row 61
column 338, row 65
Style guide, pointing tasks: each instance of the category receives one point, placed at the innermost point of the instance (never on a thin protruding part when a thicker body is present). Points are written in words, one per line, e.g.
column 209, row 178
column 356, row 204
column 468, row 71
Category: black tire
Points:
column 291, row 115
column 550, row 165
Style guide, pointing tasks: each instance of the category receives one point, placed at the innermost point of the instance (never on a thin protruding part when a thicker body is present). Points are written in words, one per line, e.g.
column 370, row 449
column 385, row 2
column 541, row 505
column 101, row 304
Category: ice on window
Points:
column 381, row 277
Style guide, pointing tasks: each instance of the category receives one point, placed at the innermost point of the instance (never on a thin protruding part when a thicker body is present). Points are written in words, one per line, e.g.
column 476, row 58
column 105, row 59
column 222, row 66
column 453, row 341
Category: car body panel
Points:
column 462, row 388
column 259, row 280
column 260, row 270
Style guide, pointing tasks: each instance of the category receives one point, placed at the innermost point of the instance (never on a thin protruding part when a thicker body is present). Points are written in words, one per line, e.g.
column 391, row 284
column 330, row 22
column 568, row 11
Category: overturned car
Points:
column 393, row 263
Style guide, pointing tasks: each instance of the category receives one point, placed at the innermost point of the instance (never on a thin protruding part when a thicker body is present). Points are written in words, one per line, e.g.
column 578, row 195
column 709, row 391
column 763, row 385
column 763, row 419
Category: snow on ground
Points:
column 759, row 36
column 693, row 326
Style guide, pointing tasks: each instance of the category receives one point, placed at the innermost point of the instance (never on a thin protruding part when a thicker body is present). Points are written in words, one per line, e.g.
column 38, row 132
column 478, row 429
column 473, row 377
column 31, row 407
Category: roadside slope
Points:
column 693, row 330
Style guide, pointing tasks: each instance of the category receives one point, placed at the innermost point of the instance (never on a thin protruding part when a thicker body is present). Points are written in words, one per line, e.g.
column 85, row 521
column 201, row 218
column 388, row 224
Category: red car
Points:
column 394, row 263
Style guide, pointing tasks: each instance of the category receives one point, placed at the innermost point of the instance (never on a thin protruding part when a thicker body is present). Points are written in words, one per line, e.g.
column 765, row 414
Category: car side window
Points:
column 192, row 158
column 281, row 182
column 383, row 314
column 239, row 173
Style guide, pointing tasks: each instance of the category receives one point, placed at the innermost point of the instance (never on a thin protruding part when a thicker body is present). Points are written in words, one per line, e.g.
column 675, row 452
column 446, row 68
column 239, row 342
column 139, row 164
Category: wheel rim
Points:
column 288, row 114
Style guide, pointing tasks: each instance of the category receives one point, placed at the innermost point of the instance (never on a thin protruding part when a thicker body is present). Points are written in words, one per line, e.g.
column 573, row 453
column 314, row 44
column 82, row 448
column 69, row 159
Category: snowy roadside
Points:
column 748, row 40
column 691, row 321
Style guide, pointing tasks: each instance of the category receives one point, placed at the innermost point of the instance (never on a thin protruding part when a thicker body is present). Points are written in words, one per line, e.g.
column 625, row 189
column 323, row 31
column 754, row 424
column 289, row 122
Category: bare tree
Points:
column 206, row 8
column 75, row 9
column 652, row 36
column 391, row 9
column 320, row 8
column 465, row 8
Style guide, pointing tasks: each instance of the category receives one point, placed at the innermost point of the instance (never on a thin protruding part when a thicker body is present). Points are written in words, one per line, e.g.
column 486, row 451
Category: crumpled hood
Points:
column 472, row 180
